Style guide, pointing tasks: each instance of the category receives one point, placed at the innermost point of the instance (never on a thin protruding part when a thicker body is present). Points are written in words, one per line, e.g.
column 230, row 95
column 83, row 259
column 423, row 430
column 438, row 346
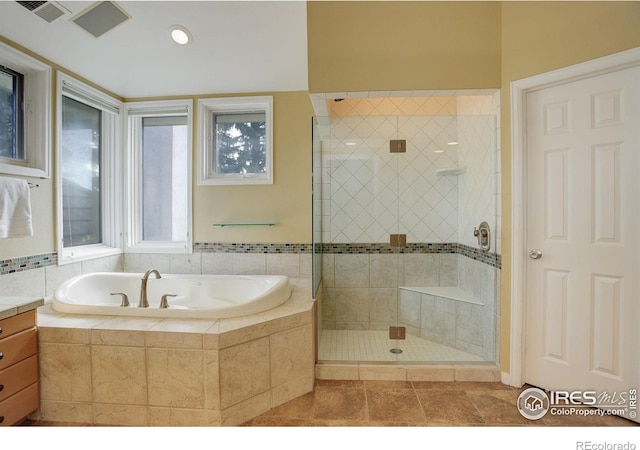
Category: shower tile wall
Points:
column 373, row 193
column 369, row 193
column 476, row 151
column 42, row 281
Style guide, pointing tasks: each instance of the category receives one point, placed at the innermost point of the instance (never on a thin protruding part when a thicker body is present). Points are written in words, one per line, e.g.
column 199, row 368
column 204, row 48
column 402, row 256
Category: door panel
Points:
column 583, row 190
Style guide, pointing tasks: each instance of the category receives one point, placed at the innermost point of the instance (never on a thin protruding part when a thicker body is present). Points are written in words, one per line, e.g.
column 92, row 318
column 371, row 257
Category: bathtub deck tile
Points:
column 175, row 378
column 238, row 330
column 63, row 335
column 124, row 415
column 211, row 337
column 291, row 390
column 181, row 417
column 130, row 361
column 65, row 372
column 244, row 371
column 163, row 339
column 246, row 410
column 212, row 379
column 117, row 337
column 287, row 322
column 119, row 375
column 128, row 323
column 184, row 325
column 76, row 321
column 74, row 412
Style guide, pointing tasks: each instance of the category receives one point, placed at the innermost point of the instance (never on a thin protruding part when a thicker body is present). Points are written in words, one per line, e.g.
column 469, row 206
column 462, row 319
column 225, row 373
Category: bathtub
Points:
column 197, row 296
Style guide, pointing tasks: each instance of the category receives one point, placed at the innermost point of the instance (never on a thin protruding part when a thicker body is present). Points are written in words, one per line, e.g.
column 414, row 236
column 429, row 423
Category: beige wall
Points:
column 287, row 201
column 43, row 219
column 538, row 37
column 361, row 46
column 43, row 197
column 369, row 46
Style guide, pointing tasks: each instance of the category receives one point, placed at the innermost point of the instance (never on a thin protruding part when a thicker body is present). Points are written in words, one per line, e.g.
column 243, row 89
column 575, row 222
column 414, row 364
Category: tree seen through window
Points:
column 240, row 143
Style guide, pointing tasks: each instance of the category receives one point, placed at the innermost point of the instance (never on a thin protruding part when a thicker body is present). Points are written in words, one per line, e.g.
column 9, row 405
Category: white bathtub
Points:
column 198, row 296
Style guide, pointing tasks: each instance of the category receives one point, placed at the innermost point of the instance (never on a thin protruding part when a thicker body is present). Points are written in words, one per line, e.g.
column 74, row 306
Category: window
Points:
column 236, row 141
column 25, row 114
column 159, row 186
column 88, row 175
column 81, row 196
column 11, row 114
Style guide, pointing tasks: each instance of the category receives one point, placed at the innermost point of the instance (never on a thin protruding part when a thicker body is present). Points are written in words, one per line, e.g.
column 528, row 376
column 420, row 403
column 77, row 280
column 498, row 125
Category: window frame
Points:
column 19, row 116
column 206, row 110
column 111, row 162
column 134, row 113
column 37, row 112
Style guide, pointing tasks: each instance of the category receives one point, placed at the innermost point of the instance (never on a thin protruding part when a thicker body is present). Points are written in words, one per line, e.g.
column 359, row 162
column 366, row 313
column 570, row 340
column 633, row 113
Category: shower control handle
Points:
column 535, row 254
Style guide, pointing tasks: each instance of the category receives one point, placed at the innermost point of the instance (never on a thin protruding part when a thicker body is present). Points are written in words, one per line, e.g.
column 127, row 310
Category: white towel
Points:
column 15, row 208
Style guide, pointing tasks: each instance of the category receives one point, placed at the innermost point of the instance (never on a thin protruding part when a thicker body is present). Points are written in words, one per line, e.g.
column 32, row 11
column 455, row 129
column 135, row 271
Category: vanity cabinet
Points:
column 18, row 368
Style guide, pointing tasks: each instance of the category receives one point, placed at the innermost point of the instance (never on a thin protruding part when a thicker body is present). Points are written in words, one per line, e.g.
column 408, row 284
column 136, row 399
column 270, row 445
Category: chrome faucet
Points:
column 144, row 303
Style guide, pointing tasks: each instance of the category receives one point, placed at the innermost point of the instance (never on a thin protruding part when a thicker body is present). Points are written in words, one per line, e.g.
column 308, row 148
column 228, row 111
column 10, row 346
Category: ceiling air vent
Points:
column 32, row 5
column 48, row 11
column 100, row 18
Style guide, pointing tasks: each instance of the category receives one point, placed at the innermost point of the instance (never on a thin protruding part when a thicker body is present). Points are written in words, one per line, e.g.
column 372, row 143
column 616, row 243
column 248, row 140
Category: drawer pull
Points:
column 1, row 387
column 0, row 330
column 1, row 419
column 1, row 355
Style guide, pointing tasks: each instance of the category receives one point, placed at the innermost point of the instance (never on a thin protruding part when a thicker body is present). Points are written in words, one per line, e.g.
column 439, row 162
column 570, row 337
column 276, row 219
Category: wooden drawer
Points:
column 18, row 376
column 15, row 324
column 19, row 406
column 18, row 347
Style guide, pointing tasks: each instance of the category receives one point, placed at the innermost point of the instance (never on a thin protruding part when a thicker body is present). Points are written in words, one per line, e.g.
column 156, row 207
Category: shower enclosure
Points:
column 406, row 255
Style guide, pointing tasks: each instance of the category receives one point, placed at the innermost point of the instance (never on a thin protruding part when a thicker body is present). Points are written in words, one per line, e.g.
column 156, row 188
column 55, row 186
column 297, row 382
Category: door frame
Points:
column 519, row 90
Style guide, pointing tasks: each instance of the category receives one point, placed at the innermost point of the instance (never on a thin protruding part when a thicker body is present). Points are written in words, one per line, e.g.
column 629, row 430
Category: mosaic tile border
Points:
column 22, row 263
column 491, row 259
column 226, row 247
column 374, row 248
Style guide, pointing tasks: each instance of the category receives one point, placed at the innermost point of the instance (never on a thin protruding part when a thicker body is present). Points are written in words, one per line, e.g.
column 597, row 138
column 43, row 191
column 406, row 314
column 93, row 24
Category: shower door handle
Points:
column 535, row 254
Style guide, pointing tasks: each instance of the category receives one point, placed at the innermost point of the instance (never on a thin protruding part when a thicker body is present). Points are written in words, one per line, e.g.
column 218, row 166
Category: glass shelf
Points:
column 245, row 224
column 452, row 171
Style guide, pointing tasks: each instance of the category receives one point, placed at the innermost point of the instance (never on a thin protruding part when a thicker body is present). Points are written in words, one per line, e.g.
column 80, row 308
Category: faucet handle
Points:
column 125, row 299
column 164, row 303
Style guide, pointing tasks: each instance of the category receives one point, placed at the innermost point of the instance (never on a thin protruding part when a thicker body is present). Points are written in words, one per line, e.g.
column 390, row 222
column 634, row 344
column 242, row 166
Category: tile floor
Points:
column 338, row 403
column 404, row 403
column 355, row 345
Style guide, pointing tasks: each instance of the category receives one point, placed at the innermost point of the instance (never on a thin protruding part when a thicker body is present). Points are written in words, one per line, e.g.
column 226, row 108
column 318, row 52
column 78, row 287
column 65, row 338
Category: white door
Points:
column 583, row 234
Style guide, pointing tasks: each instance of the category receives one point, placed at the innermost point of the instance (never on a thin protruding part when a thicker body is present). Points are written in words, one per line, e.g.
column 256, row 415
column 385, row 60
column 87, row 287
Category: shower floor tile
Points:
column 364, row 346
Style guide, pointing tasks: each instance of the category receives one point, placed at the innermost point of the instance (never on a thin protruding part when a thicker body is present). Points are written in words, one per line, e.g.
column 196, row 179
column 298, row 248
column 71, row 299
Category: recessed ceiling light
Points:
column 438, row 151
column 350, row 143
column 452, row 143
column 180, row 34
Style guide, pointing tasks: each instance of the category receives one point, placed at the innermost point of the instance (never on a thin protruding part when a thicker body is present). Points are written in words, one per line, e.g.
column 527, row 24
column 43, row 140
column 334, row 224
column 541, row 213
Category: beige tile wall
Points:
column 139, row 372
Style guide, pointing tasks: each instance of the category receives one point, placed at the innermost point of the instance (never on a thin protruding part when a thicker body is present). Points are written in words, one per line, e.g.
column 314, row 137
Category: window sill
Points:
column 78, row 254
column 160, row 247
column 234, row 180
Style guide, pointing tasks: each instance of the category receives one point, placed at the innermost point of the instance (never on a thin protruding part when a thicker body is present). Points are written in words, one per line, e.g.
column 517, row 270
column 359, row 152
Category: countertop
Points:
column 11, row 306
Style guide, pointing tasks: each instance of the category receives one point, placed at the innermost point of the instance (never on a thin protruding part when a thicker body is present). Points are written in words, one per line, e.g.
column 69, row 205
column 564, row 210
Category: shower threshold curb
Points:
column 478, row 372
